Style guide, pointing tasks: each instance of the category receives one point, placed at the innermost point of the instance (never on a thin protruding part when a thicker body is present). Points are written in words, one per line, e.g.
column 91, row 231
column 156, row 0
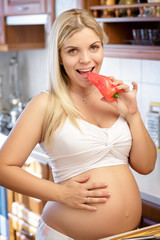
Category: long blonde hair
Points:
column 60, row 104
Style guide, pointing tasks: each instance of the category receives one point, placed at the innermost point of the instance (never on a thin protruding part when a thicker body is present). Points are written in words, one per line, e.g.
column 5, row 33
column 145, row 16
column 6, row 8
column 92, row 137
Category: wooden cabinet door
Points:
column 22, row 7
column 150, row 213
column 2, row 33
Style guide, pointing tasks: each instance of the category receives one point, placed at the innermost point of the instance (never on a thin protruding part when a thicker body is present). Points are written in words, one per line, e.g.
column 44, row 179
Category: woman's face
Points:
column 81, row 53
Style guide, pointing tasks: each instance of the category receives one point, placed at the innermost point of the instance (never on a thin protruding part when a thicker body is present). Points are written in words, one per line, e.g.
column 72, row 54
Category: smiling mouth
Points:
column 83, row 71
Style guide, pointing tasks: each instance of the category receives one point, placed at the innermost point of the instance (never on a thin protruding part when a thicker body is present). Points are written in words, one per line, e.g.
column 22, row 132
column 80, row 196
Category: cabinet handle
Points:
column 28, row 235
column 22, row 8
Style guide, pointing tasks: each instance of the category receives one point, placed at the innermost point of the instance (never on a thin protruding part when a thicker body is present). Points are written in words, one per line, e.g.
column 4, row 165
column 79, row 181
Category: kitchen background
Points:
column 34, row 79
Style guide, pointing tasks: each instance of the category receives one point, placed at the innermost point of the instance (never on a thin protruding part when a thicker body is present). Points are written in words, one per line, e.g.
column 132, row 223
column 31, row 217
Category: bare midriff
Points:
column 120, row 213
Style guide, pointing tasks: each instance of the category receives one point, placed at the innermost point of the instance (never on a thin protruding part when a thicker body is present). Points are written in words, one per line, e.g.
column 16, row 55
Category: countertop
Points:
column 146, row 231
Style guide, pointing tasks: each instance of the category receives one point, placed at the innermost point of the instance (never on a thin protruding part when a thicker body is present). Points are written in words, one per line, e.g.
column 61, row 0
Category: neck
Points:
column 83, row 96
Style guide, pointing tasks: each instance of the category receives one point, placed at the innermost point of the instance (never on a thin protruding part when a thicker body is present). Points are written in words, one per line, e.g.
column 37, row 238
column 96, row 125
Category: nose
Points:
column 84, row 57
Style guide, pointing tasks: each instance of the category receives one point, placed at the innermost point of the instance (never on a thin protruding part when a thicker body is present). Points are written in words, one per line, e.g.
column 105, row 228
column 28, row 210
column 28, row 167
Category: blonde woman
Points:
column 91, row 142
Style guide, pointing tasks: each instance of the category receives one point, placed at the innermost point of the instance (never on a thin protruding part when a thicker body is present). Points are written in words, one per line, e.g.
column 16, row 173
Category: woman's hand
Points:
column 78, row 193
column 126, row 103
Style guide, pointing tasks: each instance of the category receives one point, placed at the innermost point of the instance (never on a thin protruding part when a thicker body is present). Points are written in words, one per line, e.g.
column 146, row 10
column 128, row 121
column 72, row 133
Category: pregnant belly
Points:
column 121, row 212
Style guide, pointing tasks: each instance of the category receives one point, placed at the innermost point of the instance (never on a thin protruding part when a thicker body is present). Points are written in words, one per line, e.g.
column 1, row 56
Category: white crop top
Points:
column 73, row 151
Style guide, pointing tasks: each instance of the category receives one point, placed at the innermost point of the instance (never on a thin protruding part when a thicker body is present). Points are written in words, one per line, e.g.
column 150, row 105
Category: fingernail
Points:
column 118, row 87
column 103, row 99
column 114, row 83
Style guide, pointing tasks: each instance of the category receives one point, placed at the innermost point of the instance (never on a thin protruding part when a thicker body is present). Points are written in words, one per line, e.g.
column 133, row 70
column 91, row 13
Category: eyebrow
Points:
column 90, row 45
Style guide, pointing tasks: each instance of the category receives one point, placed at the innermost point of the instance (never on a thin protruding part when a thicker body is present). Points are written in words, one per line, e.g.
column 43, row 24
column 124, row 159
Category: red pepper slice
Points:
column 105, row 86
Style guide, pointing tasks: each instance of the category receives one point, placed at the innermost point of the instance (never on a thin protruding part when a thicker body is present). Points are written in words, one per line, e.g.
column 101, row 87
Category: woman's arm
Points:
column 17, row 148
column 143, row 153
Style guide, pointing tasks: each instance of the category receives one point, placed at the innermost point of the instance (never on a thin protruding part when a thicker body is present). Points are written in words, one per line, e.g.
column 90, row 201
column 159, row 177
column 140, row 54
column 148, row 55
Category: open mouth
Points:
column 84, row 71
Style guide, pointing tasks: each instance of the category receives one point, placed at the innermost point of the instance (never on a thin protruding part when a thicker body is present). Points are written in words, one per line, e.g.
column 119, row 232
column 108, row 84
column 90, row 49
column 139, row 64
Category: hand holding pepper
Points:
column 105, row 85
column 127, row 103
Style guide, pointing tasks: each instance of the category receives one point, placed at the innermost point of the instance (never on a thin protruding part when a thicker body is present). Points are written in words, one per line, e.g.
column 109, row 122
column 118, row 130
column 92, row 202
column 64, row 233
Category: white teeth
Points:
column 85, row 70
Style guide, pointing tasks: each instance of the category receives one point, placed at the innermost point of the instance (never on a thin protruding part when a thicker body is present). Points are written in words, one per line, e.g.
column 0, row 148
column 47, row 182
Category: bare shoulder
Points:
column 34, row 113
column 39, row 102
column 31, row 118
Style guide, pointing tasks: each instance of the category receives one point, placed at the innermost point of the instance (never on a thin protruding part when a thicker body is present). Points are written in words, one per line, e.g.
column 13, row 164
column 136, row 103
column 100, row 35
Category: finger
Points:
column 96, row 185
column 88, row 207
column 117, row 82
column 95, row 200
column 112, row 77
column 135, row 86
column 98, row 194
column 123, row 87
column 82, row 179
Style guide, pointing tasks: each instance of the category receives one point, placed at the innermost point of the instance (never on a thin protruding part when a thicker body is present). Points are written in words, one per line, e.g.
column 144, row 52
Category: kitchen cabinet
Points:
column 19, row 7
column 119, row 29
column 23, row 211
column 150, row 213
column 28, row 36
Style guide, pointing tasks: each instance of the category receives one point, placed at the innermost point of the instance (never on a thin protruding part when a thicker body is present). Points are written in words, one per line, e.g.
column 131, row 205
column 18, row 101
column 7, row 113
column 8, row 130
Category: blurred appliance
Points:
column 14, row 91
column 16, row 106
column 14, row 87
column 153, row 122
column 1, row 92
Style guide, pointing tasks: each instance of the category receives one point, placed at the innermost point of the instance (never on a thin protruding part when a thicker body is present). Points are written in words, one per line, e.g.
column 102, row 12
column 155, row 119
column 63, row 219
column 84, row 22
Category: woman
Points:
column 90, row 142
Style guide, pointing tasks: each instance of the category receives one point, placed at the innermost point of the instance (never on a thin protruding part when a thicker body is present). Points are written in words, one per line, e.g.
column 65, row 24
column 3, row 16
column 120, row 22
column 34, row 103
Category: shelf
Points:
column 127, row 19
column 103, row 11
column 22, row 46
column 119, row 27
column 130, row 51
column 23, row 37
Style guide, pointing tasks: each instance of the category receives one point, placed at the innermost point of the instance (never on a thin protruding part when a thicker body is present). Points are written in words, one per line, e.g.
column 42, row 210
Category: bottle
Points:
column 14, row 91
column 1, row 93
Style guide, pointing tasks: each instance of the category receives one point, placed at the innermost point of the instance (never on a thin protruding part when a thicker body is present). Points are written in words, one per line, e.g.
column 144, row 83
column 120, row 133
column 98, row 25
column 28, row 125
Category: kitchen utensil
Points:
column 153, row 123
column 1, row 92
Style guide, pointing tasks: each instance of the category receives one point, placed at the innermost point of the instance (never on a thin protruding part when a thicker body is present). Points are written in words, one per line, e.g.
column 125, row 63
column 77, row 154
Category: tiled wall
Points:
column 145, row 72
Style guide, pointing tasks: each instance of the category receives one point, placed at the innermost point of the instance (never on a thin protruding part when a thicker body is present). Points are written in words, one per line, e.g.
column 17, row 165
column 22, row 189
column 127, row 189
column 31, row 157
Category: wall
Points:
column 145, row 72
